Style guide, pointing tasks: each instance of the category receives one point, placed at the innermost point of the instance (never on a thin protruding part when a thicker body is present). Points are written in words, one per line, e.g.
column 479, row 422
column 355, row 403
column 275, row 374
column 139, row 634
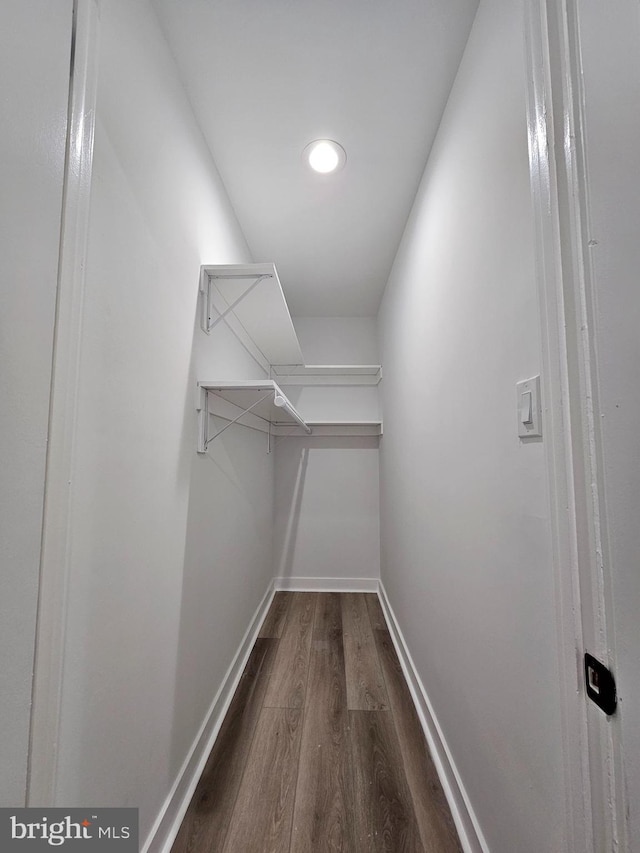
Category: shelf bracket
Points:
column 265, row 389
column 205, row 439
column 206, row 287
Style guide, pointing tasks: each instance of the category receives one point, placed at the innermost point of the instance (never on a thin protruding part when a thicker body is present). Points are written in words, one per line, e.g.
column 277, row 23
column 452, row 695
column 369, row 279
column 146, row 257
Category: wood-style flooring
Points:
column 321, row 749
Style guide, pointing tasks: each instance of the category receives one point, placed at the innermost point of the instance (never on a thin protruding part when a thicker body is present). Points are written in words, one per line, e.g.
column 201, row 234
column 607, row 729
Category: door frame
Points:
column 592, row 760
column 59, row 475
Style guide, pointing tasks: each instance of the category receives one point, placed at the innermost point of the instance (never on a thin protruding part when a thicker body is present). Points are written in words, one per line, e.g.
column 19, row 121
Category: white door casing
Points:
column 562, row 114
column 54, row 558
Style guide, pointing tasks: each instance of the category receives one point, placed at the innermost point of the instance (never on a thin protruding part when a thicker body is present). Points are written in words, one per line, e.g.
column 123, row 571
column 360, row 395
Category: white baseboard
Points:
column 165, row 829
column 469, row 830
column 327, row 584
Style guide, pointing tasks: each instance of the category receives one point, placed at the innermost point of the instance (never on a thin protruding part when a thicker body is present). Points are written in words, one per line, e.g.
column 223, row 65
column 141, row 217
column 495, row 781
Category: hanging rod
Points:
column 281, row 401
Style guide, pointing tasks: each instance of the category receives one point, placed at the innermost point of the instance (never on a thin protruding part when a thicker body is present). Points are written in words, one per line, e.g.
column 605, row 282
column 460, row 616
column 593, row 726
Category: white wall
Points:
column 611, row 77
column 171, row 552
column 327, row 508
column 35, row 50
column 327, row 489
column 465, row 530
column 338, row 340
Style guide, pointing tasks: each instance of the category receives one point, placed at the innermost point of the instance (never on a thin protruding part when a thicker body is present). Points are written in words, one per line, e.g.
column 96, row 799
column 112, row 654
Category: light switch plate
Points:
column 533, row 429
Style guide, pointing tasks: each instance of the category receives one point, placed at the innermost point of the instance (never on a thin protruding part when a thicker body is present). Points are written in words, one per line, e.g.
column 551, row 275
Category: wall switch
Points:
column 529, row 411
column 526, row 410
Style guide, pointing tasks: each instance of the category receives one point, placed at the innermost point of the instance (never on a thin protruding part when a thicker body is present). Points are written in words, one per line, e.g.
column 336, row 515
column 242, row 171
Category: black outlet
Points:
column 600, row 684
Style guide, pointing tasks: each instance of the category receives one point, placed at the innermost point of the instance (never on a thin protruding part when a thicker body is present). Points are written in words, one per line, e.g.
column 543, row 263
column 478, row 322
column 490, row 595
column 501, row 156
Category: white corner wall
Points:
column 338, row 340
column 327, row 508
column 465, row 530
column 171, row 551
column 35, row 53
column 327, row 512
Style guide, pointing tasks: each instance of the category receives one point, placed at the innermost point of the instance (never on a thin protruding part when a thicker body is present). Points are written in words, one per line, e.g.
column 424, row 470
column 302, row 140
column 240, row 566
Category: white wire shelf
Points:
column 249, row 297
column 327, row 374
column 259, row 405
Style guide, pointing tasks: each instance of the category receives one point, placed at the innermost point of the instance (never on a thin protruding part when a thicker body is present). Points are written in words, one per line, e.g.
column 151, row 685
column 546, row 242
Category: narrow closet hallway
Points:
column 321, row 748
column 296, row 332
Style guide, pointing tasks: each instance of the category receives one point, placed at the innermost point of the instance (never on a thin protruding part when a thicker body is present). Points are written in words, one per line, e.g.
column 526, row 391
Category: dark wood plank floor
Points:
column 322, row 749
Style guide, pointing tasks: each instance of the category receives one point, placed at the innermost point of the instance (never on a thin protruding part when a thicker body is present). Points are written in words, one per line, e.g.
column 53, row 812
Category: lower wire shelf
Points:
column 261, row 405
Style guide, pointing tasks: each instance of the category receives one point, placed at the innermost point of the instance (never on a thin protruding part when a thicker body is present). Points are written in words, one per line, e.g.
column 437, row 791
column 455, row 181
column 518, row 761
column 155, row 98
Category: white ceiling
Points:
column 266, row 77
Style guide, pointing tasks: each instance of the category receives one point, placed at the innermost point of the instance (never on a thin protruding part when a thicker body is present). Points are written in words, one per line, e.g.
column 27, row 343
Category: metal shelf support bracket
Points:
column 207, row 283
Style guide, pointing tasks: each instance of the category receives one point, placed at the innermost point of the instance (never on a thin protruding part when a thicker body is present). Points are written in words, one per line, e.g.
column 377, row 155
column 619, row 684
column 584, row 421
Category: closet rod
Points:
column 283, row 403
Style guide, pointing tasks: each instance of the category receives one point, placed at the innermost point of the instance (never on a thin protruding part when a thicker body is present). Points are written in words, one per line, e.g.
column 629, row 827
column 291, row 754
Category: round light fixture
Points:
column 325, row 156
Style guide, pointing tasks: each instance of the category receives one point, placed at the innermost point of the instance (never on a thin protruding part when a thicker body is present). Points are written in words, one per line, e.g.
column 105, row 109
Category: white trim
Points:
column 464, row 817
column 54, row 560
column 167, row 824
column 557, row 425
column 300, row 584
column 560, row 190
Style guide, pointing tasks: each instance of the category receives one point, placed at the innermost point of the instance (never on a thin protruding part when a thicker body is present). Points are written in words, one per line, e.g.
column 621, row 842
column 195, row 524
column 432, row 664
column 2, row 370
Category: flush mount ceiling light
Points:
column 325, row 156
